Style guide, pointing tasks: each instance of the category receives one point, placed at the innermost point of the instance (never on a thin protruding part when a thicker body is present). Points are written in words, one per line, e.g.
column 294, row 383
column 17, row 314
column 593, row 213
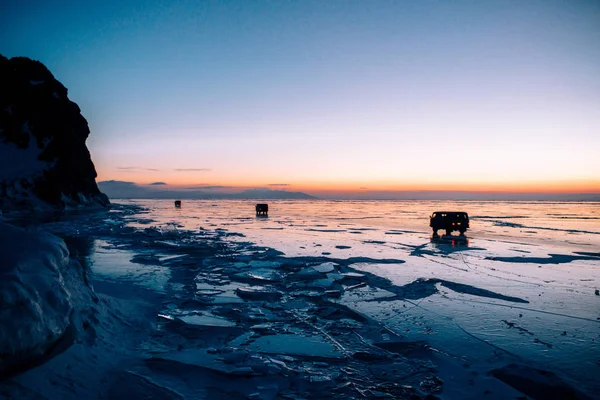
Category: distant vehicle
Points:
column 262, row 209
column 178, row 203
column 449, row 221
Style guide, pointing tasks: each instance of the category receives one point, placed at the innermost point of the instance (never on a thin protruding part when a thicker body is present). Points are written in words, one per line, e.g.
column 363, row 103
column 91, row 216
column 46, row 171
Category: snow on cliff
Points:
column 45, row 300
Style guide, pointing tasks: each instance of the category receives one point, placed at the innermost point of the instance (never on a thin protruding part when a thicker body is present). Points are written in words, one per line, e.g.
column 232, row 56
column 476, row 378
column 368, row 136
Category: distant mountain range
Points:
column 158, row 190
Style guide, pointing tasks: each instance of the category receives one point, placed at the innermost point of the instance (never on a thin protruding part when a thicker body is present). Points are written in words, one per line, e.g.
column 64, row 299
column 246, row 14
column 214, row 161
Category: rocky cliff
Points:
column 44, row 162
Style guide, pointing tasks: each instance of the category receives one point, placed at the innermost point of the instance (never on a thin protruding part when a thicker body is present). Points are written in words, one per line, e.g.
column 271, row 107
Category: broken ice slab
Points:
column 261, row 274
column 365, row 293
column 347, row 277
column 263, row 328
column 208, row 292
column 305, row 274
column 314, row 383
column 264, row 264
column 233, row 356
column 326, row 267
column 202, row 359
column 175, row 259
column 265, row 275
column 220, row 299
column 167, row 243
column 307, row 346
column 258, row 293
column 217, row 294
column 336, row 276
column 335, row 311
column 148, row 259
column 205, row 319
column 358, row 285
column 235, row 265
column 353, row 275
column 316, row 284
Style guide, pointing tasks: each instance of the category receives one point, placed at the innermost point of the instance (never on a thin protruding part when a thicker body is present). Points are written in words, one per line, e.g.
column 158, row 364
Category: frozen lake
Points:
column 337, row 299
column 523, row 284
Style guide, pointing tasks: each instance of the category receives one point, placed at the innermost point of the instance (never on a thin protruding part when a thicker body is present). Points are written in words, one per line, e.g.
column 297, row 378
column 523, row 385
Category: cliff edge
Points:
column 44, row 161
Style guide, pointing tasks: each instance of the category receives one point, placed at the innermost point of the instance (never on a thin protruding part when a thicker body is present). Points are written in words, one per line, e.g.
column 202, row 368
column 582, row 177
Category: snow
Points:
column 42, row 292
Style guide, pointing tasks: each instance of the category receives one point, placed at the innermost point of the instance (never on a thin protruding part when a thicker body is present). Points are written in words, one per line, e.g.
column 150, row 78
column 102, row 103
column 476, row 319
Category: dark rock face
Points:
column 42, row 142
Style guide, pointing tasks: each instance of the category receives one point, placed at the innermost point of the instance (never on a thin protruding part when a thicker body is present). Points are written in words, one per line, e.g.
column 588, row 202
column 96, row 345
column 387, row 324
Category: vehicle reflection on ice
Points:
column 449, row 244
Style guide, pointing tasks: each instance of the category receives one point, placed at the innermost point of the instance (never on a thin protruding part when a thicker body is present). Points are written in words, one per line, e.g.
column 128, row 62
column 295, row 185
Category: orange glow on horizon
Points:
column 579, row 186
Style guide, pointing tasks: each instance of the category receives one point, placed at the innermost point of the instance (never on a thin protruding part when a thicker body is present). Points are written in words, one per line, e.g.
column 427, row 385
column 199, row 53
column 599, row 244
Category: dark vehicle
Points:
column 178, row 203
column 450, row 221
column 262, row 209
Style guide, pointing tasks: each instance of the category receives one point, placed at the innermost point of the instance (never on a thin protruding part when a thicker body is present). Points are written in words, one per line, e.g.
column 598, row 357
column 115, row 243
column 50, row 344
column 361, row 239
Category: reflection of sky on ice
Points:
column 112, row 263
column 558, row 325
column 360, row 224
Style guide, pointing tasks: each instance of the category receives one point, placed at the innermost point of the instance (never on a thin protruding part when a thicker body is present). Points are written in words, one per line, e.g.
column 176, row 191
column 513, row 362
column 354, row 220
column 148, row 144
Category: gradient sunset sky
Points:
column 328, row 95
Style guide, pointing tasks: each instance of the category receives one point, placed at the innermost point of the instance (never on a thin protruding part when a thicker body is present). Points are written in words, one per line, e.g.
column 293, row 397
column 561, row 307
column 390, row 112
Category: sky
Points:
column 328, row 97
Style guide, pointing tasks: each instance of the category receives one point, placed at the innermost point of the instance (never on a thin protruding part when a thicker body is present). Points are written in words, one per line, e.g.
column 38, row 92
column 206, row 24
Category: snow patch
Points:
column 43, row 295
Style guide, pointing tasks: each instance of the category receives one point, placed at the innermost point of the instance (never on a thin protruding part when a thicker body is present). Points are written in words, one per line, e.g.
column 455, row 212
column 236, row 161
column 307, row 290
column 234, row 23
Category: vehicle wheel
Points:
column 448, row 232
column 462, row 232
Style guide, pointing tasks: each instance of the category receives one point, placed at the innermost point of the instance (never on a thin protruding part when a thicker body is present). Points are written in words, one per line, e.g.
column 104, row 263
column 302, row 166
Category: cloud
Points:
column 157, row 183
column 363, row 188
column 279, row 184
column 137, row 169
column 192, row 169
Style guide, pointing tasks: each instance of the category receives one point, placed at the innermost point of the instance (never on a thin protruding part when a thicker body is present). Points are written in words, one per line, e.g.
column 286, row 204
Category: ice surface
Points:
column 397, row 315
column 258, row 293
column 325, row 267
column 296, row 345
column 205, row 319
